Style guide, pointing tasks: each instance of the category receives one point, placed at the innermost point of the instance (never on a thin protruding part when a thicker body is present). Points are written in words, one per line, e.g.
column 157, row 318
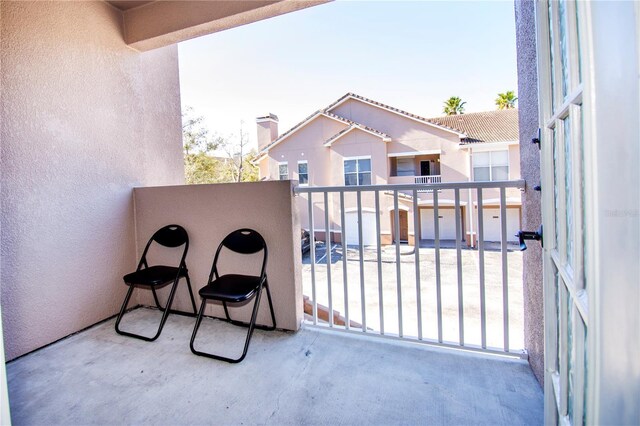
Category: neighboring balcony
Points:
column 428, row 179
column 404, row 180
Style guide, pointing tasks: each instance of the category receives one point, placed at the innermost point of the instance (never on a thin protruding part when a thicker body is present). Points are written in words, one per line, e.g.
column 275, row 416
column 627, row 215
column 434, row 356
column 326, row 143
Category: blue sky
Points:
column 410, row 55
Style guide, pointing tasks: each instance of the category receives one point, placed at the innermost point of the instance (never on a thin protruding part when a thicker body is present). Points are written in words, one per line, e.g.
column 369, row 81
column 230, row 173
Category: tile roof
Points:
column 358, row 125
column 489, row 126
column 352, row 126
column 326, row 113
column 390, row 108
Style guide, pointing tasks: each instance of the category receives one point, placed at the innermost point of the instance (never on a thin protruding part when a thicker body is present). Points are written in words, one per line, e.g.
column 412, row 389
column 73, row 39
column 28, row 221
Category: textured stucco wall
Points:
column 213, row 212
column 530, row 171
column 84, row 120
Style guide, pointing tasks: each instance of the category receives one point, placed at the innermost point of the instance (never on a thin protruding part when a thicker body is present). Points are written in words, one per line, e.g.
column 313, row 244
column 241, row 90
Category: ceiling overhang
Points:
column 152, row 24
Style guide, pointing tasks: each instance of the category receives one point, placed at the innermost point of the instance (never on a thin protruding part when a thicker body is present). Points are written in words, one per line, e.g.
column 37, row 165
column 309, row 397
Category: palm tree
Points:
column 506, row 100
column 454, row 106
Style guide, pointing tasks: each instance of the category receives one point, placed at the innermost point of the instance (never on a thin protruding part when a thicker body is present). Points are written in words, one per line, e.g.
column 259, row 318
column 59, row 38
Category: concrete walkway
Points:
column 309, row 377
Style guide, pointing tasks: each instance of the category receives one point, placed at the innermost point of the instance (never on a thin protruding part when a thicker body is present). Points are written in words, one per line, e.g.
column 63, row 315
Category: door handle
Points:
column 529, row 235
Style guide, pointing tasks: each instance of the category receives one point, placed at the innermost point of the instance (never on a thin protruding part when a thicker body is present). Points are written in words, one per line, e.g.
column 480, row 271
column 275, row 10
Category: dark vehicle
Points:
column 305, row 241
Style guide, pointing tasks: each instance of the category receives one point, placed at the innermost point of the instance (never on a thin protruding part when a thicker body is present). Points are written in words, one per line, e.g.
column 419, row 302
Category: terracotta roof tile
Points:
column 399, row 111
column 489, row 126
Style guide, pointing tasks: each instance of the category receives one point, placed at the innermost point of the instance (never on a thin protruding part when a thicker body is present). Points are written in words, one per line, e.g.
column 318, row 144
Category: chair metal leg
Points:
column 258, row 326
column 226, row 311
column 251, row 325
column 175, row 311
column 193, row 300
column 273, row 315
column 165, row 314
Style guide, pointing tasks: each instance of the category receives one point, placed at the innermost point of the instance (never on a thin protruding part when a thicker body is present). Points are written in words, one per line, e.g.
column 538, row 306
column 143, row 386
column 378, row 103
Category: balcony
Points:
column 309, row 374
column 428, row 179
column 308, row 377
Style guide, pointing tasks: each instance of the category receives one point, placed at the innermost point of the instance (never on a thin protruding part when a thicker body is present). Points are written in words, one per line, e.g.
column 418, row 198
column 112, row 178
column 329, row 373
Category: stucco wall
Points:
column 530, row 171
column 213, row 212
column 84, row 120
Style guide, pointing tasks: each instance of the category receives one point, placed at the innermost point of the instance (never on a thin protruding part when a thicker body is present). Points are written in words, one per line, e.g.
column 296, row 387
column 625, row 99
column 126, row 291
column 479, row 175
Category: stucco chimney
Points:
column 267, row 130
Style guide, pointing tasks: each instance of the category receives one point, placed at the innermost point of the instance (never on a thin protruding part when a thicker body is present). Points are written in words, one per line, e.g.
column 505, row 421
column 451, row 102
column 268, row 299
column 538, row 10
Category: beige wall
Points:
column 213, row 212
column 84, row 119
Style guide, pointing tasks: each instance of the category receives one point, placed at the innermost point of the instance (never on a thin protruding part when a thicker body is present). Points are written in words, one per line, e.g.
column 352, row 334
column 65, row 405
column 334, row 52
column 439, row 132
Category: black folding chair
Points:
column 157, row 276
column 233, row 288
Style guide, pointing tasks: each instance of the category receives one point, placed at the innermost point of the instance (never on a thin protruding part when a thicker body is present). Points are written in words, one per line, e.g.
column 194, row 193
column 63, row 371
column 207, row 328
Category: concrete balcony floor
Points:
column 308, row 377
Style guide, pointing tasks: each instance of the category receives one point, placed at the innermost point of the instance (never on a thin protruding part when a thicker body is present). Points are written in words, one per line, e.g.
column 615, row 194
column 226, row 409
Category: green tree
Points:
column 454, row 106
column 195, row 136
column 506, row 100
column 200, row 166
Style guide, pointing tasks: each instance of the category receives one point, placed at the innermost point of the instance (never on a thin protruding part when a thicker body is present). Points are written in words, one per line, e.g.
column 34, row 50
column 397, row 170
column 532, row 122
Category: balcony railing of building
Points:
column 428, row 179
column 425, row 281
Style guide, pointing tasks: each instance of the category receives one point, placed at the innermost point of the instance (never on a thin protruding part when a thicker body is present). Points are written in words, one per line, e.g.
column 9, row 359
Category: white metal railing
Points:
column 418, row 319
column 428, row 179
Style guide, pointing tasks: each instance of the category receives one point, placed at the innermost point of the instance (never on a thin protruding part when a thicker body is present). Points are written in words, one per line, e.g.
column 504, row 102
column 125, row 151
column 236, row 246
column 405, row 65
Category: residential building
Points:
column 90, row 109
column 359, row 141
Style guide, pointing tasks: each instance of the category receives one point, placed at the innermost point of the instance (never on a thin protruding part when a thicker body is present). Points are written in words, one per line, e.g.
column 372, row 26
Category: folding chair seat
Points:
column 236, row 288
column 156, row 276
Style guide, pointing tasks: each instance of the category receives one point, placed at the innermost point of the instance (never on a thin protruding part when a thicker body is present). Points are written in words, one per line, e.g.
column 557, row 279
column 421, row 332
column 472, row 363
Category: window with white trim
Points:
column 283, row 171
column 303, row 173
column 357, row 171
column 491, row 165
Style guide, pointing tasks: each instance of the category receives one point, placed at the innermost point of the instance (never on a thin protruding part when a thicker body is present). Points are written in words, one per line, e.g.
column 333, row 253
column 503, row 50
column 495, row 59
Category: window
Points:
column 283, row 171
column 493, row 165
column 405, row 167
column 357, row 171
column 303, row 173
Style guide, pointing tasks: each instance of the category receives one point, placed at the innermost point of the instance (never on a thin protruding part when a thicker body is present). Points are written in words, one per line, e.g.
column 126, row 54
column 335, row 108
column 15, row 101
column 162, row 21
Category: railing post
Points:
column 327, row 253
column 505, row 268
column 398, row 270
column 379, row 257
column 480, row 242
column 416, row 249
column 436, row 234
column 312, row 259
column 343, row 241
column 361, row 250
column 458, row 217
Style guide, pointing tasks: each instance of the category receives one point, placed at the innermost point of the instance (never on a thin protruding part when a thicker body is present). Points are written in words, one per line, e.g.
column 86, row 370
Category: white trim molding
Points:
column 489, row 146
column 364, row 210
column 513, row 202
column 415, row 153
column 441, row 202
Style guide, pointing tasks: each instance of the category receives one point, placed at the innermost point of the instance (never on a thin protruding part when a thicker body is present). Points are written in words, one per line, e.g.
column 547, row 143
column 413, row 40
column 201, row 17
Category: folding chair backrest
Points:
column 171, row 236
column 243, row 241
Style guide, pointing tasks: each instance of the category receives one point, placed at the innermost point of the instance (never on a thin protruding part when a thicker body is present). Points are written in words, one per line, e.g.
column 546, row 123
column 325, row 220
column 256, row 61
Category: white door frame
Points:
column 593, row 260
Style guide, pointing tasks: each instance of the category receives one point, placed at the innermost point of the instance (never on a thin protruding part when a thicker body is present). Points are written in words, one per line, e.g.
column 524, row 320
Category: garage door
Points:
column 446, row 221
column 368, row 228
column 492, row 225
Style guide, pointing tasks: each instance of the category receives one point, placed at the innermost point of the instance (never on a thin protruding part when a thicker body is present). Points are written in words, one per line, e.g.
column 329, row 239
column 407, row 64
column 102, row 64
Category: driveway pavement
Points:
column 387, row 293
